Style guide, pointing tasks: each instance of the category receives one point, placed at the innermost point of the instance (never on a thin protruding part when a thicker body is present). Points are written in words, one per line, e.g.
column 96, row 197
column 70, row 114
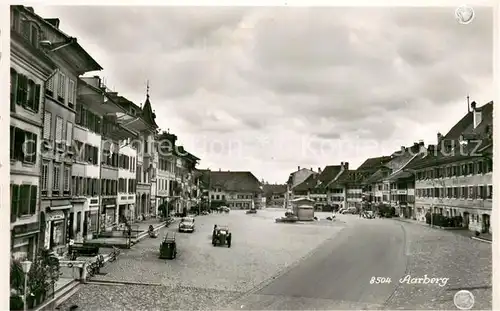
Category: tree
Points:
column 41, row 278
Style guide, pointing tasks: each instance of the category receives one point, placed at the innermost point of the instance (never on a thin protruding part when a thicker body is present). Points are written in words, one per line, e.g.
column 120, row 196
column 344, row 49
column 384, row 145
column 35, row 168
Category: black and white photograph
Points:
column 230, row 157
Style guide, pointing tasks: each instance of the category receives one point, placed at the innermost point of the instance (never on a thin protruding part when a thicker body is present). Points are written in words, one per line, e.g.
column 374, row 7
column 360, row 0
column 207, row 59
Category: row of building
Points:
column 452, row 177
column 83, row 159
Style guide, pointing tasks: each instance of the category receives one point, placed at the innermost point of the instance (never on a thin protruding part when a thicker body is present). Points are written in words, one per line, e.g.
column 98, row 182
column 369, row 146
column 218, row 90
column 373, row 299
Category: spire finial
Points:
column 468, row 104
column 147, row 88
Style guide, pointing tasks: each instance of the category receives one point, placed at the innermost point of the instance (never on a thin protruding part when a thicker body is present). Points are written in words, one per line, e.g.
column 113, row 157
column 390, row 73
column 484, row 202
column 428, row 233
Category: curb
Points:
column 481, row 240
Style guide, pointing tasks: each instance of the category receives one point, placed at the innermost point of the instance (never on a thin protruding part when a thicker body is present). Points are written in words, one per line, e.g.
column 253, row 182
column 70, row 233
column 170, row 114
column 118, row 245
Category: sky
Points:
column 269, row 89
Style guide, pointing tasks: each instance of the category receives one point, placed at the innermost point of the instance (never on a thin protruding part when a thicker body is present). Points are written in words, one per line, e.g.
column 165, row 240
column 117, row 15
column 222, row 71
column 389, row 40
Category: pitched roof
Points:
column 378, row 176
column 236, row 181
column 464, row 128
column 309, row 183
column 373, row 164
column 329, row 173
column 271, row 189
column 350, row 177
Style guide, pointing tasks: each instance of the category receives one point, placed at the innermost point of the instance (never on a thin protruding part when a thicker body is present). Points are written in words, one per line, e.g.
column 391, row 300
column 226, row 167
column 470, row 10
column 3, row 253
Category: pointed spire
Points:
column 468, row 104
column 147, row 112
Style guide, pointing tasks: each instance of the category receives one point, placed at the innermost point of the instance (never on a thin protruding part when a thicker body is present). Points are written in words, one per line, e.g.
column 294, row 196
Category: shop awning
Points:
column 55, row 215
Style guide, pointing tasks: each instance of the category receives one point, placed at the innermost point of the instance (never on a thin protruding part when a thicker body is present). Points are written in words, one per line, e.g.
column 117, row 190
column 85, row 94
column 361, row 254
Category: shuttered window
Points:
column 22, row 90
column 69, row 133
column 57, row 177
column 59, row 129
column 67, row 176
column 29, row 147
column 61, row 87
column 24, row 196
column 49, row 87
column 47, row 122
column 45, row 178
column 71, row 93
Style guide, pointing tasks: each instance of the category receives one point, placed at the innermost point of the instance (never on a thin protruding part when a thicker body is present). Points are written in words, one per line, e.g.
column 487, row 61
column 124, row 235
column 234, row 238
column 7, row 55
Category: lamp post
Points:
column 26, row 266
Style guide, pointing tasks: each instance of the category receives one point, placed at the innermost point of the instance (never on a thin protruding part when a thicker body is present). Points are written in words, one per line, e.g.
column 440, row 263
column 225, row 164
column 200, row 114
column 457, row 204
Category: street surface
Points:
column 321, row 265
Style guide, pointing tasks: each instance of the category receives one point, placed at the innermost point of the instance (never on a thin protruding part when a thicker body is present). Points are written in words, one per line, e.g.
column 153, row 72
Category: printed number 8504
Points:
column 380, row 280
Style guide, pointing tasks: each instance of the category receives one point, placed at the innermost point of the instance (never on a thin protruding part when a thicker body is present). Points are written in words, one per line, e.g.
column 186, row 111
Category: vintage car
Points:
column 252, row 211
column 289, row 218
column 186, row 224
column 168, row 246
column 221, row 236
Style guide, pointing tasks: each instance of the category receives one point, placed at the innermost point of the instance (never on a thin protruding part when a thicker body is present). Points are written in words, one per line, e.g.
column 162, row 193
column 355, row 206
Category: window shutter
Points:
column 14, row 202
column 45, row 176
column 13, row 89
column 69, row 134
column 59, row 129
column 47, row 122
column 21, row 85
column 71, row 91
column 49, row 86
column 33, row 199
column 61, row 86
column 78, row 115
column 19, row 138
column 36, row 103
column 66, row 178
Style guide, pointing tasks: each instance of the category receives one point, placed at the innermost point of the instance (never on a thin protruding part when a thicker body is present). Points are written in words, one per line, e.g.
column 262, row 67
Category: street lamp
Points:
column 26, row 266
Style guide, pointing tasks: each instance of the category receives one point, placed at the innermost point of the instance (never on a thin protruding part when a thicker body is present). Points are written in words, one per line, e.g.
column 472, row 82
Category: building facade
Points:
column 58, row 150
column 235, row 189
column 30, row 68
column 274, row 195
column 454, row 177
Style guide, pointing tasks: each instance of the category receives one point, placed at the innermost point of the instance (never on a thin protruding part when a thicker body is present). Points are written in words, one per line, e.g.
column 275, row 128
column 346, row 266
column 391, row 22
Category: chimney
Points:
column 219, row 170
column 403, row 148
column 298, row 168
column 439, row 137
column 477, row 115
column 345, row 165
column 421, row 143
column 431, row 148
column 319, row 169
column 312, row 169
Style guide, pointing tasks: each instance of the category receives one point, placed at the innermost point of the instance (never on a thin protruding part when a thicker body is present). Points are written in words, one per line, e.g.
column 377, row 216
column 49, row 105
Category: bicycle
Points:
column 114, row 254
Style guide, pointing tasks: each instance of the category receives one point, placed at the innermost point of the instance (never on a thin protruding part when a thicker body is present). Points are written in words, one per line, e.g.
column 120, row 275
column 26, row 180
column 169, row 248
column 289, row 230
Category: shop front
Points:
column 108, row 214
column 56, row 231
column 24, row 240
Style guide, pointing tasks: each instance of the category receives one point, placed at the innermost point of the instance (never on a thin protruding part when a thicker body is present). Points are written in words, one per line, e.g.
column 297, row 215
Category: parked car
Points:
column 186, row 224
column 252, row 211
column 290, row 219
column 204, row 213
column 350, row 210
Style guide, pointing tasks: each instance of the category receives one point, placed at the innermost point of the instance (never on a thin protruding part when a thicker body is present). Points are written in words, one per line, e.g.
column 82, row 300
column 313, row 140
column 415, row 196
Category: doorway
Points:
column 486, row 223
column 466, row 219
